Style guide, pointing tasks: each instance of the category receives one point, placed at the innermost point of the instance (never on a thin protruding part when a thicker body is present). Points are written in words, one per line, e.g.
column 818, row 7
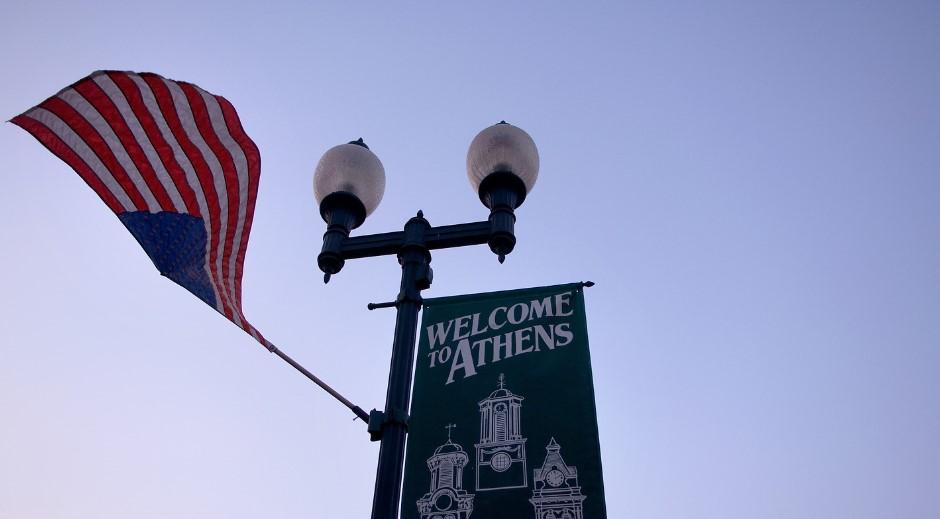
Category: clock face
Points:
column 555, row 477
column 501, row 462
column 443, row 502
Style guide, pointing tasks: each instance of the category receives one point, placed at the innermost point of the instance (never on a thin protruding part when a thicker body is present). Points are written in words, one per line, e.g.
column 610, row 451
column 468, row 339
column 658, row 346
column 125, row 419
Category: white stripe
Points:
column 188, row 121
column 241, row 170
column 117, row 96
column 96, row 120
column 150, row 101
column 78, row 145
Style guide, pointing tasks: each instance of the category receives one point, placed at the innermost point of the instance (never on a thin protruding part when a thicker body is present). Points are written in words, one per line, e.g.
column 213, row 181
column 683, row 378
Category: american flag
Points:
column 173, row 163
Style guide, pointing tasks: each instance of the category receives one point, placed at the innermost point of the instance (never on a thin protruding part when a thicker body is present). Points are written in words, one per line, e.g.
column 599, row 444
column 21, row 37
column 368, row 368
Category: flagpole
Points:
column 362, row 415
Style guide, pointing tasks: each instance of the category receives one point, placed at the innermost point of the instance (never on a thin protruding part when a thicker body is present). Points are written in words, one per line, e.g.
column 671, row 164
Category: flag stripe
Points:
column 118, row 157
column 228, row 175
column 234, row 125
column 253, row 162
column 155, row 133
column 94, row 144
column 75, row 142
column 128, row 131
column 61, row 149
column 106, row 144
column 234, row 130
column 238, row 190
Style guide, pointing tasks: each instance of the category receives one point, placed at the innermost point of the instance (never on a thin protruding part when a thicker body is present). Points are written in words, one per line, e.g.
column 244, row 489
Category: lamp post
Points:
column 502, row 165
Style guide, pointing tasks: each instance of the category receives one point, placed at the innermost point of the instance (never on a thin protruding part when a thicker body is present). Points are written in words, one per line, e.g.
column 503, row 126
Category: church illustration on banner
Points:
column 501, row 465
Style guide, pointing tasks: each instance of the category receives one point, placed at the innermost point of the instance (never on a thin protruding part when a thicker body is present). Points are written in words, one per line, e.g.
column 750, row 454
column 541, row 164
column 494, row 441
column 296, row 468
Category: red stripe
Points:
column 106, row 107
column 254, row 175
column 135, row 99
column 253, row 157
column 230, row 176
column 204, row 174
column 60, row 149
column 98, row 146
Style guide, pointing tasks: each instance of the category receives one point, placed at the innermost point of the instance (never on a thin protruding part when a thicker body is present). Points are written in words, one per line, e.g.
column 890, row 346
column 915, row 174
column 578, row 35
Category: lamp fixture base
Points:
column 342, row 211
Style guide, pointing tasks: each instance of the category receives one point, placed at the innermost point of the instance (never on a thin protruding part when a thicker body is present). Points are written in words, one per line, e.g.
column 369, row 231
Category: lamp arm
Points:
column 441, row 237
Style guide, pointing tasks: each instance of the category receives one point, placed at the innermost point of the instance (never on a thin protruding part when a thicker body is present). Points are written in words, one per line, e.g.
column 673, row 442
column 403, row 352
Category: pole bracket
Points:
column 410, row 296
column 375, row 306
column 402, row 297
column 378, row 420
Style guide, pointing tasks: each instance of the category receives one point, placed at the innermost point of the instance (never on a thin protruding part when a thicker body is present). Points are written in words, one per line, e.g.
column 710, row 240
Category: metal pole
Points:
column 415, row 276
column 362, row 415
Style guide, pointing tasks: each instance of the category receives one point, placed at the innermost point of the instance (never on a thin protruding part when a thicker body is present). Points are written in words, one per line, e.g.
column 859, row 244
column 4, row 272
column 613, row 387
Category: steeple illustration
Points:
column 557, row 494
column 446, row 498
column 500, row 459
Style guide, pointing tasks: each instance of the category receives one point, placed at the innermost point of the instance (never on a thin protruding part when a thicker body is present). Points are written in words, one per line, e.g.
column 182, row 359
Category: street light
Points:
column 502, row 165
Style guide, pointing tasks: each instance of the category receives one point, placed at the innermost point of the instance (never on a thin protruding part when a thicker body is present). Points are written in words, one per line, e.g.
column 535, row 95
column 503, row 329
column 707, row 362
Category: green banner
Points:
column 503, row 423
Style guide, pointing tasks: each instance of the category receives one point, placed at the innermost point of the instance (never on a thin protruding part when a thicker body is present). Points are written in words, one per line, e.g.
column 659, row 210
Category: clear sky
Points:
column 753, row 186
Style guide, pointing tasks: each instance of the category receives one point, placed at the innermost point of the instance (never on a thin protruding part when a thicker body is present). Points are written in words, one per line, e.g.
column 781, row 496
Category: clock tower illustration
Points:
column 557, row 494
column 446, row 499
column 500, row 456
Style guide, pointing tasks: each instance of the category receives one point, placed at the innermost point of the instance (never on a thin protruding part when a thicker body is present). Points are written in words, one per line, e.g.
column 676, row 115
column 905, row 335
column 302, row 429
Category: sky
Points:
column 753, row 187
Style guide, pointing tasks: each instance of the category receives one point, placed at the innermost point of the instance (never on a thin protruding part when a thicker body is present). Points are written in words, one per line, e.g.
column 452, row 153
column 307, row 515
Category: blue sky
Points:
column 753, row 186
